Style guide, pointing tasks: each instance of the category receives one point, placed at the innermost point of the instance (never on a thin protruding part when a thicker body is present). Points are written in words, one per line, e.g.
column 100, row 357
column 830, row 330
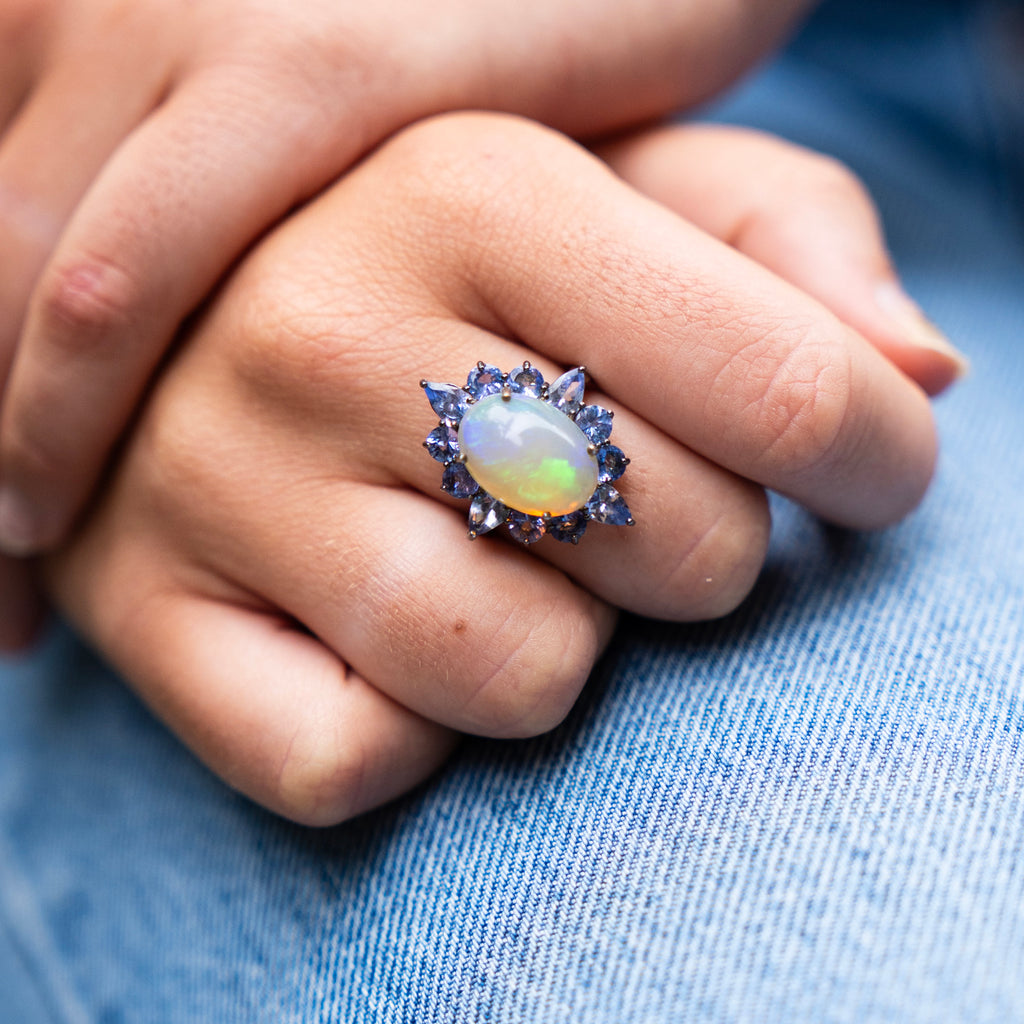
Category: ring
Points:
column 529, row 455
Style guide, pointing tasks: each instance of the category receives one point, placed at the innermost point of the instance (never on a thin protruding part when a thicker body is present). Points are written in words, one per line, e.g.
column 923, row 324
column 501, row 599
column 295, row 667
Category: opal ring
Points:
column 529, row 455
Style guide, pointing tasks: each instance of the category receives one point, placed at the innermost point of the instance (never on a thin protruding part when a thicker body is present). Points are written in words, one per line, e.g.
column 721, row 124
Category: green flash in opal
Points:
column 528, row 455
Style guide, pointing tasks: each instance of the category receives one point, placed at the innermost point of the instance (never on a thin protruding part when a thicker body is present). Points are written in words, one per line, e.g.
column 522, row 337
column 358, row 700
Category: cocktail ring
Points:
column 529, row 455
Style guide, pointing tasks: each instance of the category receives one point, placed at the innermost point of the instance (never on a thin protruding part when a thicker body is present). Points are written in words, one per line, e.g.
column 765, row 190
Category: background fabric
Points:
column 812, row 810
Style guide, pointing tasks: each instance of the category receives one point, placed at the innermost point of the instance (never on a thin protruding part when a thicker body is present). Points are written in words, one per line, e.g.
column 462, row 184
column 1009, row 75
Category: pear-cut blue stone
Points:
column 458, row 482
column 566, row 393
column 485, row 514
column 447, row 400
column 595, row 422
column 607, row 506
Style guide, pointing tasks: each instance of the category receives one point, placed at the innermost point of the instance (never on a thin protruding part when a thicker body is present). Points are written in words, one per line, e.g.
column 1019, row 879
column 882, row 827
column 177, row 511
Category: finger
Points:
column 701, row 341
column 700, row 533
column 293, row 316
column 21, row 607
column 481, row 638
column 802, row 215
column 61, row 138
column 147, row 243
column 292, row 325
column 262, row 703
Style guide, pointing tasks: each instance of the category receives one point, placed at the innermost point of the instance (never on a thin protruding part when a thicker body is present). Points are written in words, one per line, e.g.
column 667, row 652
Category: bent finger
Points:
column 703, row 342
column 479, row 637
column 146, row 244
column 264, row 704
column 802, row 215
column 49, row 156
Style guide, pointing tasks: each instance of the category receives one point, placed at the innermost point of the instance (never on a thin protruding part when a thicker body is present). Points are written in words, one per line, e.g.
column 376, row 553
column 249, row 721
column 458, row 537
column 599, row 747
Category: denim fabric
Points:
column 812, row 810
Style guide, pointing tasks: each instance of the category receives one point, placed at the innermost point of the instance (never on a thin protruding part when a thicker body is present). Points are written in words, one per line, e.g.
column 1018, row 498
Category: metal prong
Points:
column 631, row 521
column 461, row 458
column 592, row 449
column 526, row 364
column 506, row 394
column 423, row 383
column 481, row 365
column 473, row 535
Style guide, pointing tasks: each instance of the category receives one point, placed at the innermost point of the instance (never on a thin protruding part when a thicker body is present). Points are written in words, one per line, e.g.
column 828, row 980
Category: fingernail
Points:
column 17, row 524
column 915, row 327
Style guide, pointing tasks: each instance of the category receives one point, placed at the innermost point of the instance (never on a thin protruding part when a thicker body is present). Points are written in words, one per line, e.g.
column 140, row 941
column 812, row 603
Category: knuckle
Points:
column 85, row 303
column 829, row 177
column 26, row 226
column 800, row 191
column 535, row 674
column 720, row 567
column 801, row 404
column 176, row 452
column 290, row 335
column 464, row 170
column 320, row 779
column 180, row 448
column 295, row 338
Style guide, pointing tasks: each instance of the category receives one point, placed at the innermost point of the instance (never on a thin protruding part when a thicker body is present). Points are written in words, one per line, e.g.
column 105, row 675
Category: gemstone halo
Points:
column 529, row 456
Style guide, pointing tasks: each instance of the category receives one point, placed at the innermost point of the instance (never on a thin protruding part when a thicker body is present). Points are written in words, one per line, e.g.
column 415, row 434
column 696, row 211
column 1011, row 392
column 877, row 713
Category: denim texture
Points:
column 812, row 810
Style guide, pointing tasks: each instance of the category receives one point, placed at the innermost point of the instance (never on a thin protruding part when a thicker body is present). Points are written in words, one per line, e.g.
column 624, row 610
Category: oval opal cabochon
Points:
column 528, row 455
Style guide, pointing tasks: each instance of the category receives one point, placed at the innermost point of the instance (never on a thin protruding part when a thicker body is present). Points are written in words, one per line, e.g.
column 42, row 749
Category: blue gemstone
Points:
column 458, row 482
column 527, row 380
column 485, row 514
column 443, row 443
column 566, row 393
column 447, row 400
column 484, row 380
column 525, row 529
column 611, row 463
column 607, row 506
column 595, row 422
column 570, row 528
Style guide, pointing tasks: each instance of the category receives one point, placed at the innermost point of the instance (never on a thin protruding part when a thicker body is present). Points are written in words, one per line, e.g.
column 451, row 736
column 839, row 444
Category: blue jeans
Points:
column 812, row 810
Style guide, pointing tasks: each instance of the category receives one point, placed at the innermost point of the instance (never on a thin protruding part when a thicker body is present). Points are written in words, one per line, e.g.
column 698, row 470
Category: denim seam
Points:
column 22, row 919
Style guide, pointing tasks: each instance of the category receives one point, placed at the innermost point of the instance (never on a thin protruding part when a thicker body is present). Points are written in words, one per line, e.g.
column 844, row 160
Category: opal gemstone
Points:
column 528, row 455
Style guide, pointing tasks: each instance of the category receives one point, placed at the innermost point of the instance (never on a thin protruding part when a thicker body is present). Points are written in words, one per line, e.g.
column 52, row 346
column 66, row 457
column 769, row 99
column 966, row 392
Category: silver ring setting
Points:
column 528, row 455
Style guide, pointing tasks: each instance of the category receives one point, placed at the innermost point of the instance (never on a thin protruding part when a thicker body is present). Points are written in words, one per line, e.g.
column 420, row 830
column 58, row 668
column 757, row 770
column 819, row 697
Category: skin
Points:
column 272, row 564
column 127, row 126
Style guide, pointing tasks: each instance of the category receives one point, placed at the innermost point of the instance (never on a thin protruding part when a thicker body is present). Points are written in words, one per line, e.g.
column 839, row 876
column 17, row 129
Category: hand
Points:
column 273, row 565
column 146, row 144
